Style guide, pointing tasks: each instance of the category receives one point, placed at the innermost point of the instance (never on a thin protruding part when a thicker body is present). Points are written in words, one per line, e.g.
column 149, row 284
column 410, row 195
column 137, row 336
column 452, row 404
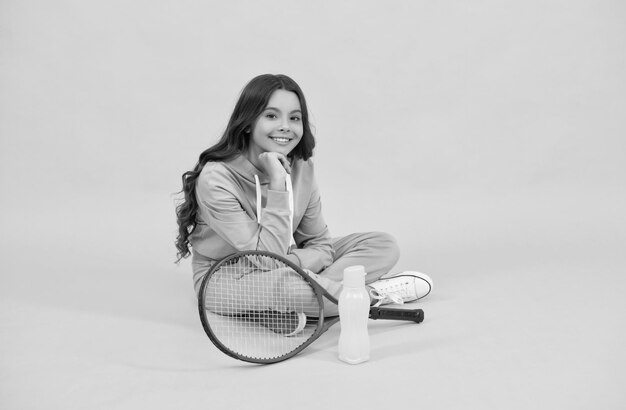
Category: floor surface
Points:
column 514, row 321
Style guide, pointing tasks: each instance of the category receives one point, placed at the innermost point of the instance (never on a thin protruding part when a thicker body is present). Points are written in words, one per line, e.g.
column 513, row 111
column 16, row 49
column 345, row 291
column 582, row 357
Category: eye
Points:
column 270, row 115
column 296, row 118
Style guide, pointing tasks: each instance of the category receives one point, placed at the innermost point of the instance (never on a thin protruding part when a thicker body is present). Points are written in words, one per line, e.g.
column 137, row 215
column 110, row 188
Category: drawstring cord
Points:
column 289, row 187
column 258, row 198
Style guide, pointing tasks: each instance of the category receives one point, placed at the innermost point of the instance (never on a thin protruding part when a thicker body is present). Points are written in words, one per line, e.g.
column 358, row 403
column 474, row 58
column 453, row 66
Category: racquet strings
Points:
column 259, row 308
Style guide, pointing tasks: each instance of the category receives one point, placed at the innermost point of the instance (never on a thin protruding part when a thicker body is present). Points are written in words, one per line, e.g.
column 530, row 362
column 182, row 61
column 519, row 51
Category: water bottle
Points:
column 354, row 304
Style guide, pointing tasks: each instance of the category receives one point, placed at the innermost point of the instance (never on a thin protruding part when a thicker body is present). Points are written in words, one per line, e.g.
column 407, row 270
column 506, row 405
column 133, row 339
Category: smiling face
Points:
column 279, row 127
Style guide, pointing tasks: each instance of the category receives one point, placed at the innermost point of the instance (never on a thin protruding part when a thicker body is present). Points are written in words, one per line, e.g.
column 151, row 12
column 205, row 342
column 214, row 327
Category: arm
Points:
column 315, row 250
column 220, row 197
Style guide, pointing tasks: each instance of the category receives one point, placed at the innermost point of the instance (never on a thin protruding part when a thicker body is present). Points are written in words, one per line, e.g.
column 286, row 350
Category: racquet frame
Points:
column 324, row 323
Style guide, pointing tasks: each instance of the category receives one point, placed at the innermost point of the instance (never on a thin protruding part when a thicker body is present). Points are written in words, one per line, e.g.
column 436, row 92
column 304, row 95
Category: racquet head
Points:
column 259, row 307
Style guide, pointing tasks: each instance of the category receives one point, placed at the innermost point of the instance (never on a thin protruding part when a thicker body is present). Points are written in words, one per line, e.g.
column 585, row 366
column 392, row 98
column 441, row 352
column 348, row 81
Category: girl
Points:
column 256, row 190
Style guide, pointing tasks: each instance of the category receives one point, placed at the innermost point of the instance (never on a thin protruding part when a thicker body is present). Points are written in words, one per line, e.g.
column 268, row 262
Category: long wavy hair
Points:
column 252, row 101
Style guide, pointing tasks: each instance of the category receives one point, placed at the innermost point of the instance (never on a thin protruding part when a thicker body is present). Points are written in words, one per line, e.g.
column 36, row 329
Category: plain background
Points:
column 487, row 136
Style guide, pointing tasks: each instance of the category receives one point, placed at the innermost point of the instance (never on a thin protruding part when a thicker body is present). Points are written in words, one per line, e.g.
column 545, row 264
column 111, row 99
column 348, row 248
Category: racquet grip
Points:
column 414, row 315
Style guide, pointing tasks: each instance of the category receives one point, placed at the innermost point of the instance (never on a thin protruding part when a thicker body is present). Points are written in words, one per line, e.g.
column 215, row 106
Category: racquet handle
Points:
column 414, row 315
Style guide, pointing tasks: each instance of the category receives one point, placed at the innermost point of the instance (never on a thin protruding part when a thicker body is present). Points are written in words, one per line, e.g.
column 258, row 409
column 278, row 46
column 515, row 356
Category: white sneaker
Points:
column 286, row 324
column 401, row 288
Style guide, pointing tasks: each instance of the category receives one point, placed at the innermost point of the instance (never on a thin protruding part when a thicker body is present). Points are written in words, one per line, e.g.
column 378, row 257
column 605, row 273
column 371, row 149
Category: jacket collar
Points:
column 243, row 167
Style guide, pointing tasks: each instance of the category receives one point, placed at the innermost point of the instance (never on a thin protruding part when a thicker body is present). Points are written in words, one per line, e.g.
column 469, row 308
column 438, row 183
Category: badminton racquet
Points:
column 259, row 307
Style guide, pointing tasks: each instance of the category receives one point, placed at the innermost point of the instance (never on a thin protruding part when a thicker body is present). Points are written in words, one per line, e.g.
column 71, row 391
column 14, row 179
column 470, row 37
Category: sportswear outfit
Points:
column 238, row 211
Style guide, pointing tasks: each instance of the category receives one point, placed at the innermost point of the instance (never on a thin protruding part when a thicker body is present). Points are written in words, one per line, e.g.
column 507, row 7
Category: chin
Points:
column 284, row 150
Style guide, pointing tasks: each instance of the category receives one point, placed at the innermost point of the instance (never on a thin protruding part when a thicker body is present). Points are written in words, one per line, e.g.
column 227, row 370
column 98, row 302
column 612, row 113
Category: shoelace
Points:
column 391, row 293
column 392, row 297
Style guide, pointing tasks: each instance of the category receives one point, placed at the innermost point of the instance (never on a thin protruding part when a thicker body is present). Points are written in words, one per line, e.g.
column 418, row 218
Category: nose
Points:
column 284, row 127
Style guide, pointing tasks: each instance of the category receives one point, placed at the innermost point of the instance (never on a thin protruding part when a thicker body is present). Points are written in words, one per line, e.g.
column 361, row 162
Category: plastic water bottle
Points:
column 354, row 304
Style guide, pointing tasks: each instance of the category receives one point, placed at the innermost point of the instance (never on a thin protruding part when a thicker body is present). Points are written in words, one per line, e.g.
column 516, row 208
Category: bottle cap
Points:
column 354, row 276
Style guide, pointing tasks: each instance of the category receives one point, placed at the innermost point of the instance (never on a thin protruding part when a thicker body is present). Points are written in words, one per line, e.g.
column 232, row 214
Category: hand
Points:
column 276, row 166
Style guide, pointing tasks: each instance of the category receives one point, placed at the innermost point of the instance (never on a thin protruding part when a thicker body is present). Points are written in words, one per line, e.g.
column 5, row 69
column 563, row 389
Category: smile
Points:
column 281, row 140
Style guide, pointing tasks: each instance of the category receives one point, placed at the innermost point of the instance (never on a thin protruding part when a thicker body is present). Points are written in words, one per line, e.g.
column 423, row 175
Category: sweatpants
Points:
column 377, row 252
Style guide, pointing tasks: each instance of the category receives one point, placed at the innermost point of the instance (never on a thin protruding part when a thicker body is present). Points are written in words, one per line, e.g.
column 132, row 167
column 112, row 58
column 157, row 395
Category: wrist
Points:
column 277, row 184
